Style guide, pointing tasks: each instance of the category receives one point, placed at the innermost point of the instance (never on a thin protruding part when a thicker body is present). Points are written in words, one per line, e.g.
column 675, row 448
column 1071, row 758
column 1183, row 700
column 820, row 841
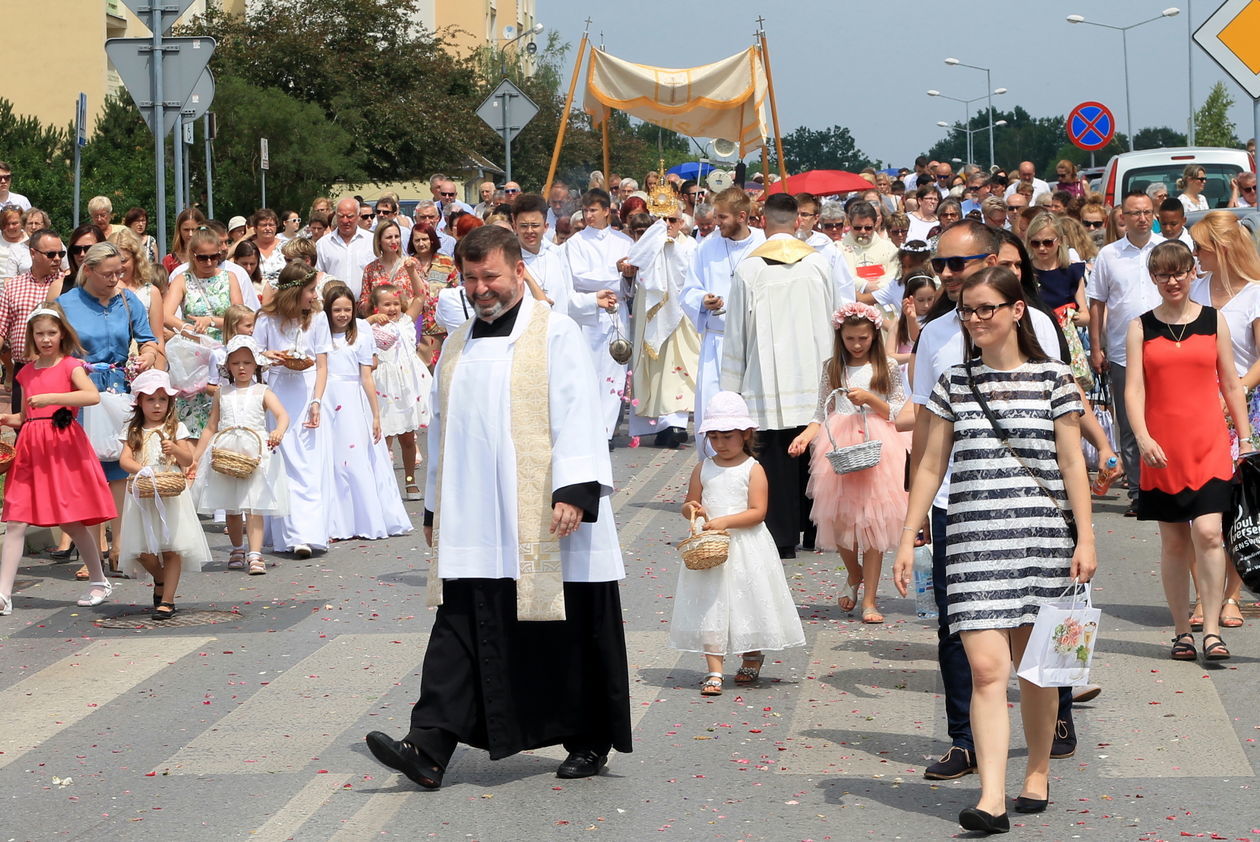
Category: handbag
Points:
column 1242, row 523
column 104, row 423
column 854, row 457
column 1078, row 360
column 190, row 360
column 1061, row 645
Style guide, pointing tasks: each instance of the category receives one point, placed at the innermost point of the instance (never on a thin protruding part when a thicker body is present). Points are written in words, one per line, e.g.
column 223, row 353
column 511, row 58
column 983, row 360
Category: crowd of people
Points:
column 918, row 367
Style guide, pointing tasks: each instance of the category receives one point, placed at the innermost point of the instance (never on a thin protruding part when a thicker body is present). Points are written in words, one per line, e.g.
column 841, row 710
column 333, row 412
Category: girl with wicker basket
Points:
column 160, row 530
column 402, row 381
column 742, row 605
column 368, row 502
column 237, row 472
column 859, row 512
column 55, row 477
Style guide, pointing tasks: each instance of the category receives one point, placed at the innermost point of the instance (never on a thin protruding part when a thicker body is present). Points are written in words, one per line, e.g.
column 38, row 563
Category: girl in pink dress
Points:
column 55, row 479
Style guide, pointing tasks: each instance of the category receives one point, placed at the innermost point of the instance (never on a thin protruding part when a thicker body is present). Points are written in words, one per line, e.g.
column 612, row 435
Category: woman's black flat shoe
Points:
column 1032, row 805
column 973, row 818
column 62, row 556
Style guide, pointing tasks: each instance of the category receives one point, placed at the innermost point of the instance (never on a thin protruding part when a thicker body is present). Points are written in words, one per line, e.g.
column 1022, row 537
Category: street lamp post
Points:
column 1170, row 12
column 988, row 82
column 967, row 110
column 533, row 30
column 970, row 132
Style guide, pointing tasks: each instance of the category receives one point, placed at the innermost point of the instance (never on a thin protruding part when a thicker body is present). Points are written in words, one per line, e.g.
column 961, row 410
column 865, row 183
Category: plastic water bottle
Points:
column 1106, row 476
column 924, row 597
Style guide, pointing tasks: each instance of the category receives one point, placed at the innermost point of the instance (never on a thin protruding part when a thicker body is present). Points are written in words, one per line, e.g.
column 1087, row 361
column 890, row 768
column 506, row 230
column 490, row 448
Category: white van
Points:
column 1138, row 170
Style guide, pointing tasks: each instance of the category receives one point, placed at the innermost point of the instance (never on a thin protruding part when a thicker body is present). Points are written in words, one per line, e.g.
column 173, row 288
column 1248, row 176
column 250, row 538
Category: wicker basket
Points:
column 233, row 464
column 161, row 484
column 6, row 456
column 293, row 363
column 704, row 548
column 853, row 457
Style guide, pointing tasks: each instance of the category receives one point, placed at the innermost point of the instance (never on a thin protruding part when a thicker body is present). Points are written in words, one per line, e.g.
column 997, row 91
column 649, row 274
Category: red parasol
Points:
column 823, row 183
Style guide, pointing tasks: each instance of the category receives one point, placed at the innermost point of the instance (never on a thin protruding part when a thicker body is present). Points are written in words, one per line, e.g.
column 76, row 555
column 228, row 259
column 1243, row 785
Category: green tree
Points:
column 1159, row 137
column 823, row 149
column 1212, row 126
column 37, row 154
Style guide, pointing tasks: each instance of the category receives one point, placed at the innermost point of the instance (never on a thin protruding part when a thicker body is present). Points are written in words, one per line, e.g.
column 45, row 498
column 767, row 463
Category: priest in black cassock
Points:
column 527, row 649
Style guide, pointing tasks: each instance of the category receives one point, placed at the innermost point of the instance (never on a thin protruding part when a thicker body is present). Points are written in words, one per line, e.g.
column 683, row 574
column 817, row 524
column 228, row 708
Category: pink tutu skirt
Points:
column 865, row 508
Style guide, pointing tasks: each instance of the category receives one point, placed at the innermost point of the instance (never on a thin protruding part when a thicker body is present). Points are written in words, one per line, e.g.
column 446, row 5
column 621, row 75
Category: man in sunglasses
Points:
column 963, row 249
column 870, row 259
column 23, row 293
column 8, row 197
column 1120, row 290
column 1028, row 175
column 367, row 216
column 345, row 251
column 1242, row 190
column 446, row 197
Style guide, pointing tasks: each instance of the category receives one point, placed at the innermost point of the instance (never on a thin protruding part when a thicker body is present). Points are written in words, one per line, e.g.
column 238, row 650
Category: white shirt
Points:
column 1190, row 204
column 1039, row 187
column 15, row 258
column 16, row 199
column 343, row 260
column 818, row 241
column 1121, row 281
column 1241, row 313
column 549, row 270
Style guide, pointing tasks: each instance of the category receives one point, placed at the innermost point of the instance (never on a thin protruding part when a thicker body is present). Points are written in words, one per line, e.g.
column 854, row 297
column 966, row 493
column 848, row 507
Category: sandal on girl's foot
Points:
column 164, row 611
column 412, row 491
column 851, row 596
column 82, row 574
column 100, row 592
column 1196, row 617
column 1235, row 619
column 236, row 559
column 712, row 684
column 257, row 566
column 6, row 605
column 157, row 593
column 1214, row 651
column 1183, row 647
column 748, row 674
column 871, row 616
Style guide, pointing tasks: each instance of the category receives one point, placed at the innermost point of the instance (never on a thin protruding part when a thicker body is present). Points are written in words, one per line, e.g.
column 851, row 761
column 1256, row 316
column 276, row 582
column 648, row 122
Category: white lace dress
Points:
column 402, row 381
column 266, row 490
column 743, row 605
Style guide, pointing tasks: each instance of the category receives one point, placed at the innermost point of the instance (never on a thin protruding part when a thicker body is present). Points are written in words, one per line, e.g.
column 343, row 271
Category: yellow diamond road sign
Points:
column 1232, row 37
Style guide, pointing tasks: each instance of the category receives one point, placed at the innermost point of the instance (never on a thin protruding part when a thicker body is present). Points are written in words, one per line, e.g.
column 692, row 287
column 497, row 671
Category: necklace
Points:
column 1185, row 326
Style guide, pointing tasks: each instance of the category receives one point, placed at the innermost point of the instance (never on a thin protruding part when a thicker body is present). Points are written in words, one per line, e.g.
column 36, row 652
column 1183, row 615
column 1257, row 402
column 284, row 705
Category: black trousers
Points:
column 787, row 514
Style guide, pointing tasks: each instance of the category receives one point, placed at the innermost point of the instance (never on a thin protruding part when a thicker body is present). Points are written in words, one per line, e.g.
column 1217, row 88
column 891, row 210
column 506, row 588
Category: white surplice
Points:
column 778, row 334
column 592, row 255
column 548, row 269
column 478, row 484
column 710, row 274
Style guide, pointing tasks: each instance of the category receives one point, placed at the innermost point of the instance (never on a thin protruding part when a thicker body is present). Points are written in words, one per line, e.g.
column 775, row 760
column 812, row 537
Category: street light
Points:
column 533, row 30
column 967, row 110
column 1170, row 12
column 988, row 82
column 970, row 132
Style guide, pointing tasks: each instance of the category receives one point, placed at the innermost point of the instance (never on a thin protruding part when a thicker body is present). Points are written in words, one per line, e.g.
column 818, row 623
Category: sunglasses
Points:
column 1250, row 189
column 672, row 220
column 447, row 195
column 833, row 226
column 1015, row 207
column 1093, row 223
column 52, row 255
column 1042, row 244
column 1198, row 178
column 80, row 249
column 898, row 232
column 511, row 190
column 958, row 263
column 862, row 228
column 367, row 216
column 207, row 258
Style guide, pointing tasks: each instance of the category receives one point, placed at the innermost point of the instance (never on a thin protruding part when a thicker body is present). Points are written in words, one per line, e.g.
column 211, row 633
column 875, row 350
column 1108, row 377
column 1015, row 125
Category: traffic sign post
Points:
column 1229, row 37
column 507, row 110
column 80, row 141
column 264, row 164
column 209, row 134
column 1091, row 126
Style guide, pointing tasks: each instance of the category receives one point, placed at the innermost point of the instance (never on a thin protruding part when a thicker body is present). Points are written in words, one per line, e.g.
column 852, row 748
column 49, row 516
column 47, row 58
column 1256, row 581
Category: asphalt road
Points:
column 251, row 726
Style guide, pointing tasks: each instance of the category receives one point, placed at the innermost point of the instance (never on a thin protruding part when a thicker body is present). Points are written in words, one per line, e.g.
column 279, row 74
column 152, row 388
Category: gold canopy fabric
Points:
column 724, row 99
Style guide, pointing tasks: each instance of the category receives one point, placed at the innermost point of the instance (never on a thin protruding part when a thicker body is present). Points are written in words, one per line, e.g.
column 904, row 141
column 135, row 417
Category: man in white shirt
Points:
column 7, row 196
column 1119, row 291
column 485, row 192
column 778, row 334
column 1028, row 175
column 807, row 210
column 1242, row 190
column 345, row 251
column 704, row 221
column 545, row 265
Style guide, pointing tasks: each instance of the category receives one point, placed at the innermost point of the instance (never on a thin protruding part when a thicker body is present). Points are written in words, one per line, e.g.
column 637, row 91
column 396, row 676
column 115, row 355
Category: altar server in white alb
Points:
column 543, row 261
column 593, row 254
column 778, row 335
column 527, row 648
column 708, row 284
column 666, row 345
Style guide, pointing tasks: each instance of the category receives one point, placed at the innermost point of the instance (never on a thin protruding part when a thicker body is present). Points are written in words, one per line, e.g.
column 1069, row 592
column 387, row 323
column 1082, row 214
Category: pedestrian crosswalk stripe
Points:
column 304, row 710
column 285, row 823
column 57, row 697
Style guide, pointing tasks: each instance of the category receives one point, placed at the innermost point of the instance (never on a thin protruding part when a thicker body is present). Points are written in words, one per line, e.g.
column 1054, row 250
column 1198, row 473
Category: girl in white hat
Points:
column 743, row 605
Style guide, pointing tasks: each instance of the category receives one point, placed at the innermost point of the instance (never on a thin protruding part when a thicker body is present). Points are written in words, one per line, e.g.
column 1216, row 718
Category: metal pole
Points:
column 967, row 123
column 209, row 173
column 1128, row 105
column 186, row 128
column 264, row 188
column 988, row 80
column 177, row 163
column 77, row 173
column 505, row 100
column 159, row 123
column 1255, row 128
column 1190, row 73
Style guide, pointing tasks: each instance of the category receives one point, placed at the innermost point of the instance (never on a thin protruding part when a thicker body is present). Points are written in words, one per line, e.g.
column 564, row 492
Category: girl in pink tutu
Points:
column 860, row 513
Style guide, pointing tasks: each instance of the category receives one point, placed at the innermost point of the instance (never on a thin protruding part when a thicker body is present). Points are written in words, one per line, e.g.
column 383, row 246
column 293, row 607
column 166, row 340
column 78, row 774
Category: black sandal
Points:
column 1217, row 651
column 157, row 593
column 1183, row 651
column 159, row 614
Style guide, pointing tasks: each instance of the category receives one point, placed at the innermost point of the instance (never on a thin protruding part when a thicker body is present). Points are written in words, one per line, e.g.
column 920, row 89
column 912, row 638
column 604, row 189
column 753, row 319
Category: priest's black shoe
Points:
column 976, row 819
column 404, row 757
column 583, row 763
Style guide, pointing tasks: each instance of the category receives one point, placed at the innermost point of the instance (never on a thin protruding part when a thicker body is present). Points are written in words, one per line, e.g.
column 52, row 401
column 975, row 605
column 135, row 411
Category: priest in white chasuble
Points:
column 778, row 335
column 527, row 648
column 666, row 345
column 592, row 255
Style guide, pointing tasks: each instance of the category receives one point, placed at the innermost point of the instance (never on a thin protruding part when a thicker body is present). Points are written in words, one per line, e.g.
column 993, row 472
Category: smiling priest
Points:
column 526, row 560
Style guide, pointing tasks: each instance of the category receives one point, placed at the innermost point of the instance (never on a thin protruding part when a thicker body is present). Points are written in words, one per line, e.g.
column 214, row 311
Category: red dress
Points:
column 56, row 477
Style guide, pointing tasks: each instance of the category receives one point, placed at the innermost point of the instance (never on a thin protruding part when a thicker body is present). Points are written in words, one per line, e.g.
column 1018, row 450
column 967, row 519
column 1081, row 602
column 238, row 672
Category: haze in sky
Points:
column 867, row 65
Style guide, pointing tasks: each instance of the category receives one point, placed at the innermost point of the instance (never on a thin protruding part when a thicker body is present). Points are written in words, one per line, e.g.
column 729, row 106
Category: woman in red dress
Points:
column 55, row 478
column 1181, row 365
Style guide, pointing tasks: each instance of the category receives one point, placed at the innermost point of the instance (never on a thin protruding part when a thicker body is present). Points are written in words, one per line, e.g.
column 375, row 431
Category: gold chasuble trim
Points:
column 540, row 584
column 783, row 250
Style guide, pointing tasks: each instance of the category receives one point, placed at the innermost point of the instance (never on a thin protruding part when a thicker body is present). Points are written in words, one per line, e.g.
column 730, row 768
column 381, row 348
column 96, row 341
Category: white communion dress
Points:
column 155, row 525
column 266, row 490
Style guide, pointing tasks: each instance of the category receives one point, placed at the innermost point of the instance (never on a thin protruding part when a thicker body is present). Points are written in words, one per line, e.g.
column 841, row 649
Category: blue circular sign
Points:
column 1091, row 126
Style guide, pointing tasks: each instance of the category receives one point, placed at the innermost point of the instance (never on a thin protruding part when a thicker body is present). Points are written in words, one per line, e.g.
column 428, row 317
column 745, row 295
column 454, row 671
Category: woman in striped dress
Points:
column 1011, row 419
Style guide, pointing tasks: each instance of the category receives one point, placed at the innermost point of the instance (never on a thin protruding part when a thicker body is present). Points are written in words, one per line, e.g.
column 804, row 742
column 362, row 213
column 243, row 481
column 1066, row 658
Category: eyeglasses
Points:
column 1139, row 213
column 862, row 228
column 806, row 215
column 984, row 312
column 1015, row 207
column 1250, row 189
column 80, row 249
column 898, row 232
column 51, row 255
column 511, row 190
column 672, row 220
column 447, row 195
column 1179, row 277
column 529, row 226
column 833, row 226
column 345, row 216
column 958, row 263
column 951, row 215
column 1042, row 244
column 114, row 276
column 1198, row 178
column 367, row 215
column 8, row 177
column 1093, row 223
column 207, row 258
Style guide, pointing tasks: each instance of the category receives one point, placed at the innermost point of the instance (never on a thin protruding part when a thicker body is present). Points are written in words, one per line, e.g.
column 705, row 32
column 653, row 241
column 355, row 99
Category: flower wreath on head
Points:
column 857, row 308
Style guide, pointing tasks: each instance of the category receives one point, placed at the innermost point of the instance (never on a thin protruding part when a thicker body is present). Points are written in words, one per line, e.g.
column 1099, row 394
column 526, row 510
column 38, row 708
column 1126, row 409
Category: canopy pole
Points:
column 774, row 109
column 607, row 151
column 564, row 115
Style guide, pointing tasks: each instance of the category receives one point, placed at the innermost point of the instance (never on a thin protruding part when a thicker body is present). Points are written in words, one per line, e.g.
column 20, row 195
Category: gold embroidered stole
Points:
column 540, row 582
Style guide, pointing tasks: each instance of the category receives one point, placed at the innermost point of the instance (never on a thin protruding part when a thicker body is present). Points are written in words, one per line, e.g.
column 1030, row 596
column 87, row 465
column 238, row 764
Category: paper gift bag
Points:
column 1062, row 642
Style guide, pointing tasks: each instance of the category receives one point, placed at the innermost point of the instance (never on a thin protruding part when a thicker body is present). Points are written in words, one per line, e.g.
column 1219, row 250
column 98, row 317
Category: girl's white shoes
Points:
column 6, row 605
column 100, row 592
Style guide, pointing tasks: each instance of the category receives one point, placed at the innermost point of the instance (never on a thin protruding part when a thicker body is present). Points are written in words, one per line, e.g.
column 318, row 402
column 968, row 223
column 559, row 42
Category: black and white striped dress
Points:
column 1009, row 550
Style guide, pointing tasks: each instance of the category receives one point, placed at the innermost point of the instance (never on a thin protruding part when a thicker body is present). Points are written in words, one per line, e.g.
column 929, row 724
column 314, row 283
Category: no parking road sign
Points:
column 1091, row 126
